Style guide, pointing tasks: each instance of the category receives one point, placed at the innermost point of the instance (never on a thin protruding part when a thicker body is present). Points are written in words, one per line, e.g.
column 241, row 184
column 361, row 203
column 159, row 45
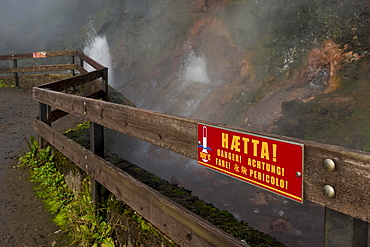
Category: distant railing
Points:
column 347, row 213
column 41, row 68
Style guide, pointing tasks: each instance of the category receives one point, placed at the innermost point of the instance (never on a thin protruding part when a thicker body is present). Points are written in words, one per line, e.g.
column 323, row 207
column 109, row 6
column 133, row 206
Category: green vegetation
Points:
column 281, row 33
column 3, row 84
column 340, row 117
column 220, row 218
column 86, row 227
column 74, row 214
column 124, row 220
column 343, row 116
column 84, row 125
column 77, row 216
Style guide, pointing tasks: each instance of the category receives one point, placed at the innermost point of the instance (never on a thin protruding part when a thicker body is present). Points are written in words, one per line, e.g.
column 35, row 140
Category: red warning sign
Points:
column 271, row 164
column 40, row 54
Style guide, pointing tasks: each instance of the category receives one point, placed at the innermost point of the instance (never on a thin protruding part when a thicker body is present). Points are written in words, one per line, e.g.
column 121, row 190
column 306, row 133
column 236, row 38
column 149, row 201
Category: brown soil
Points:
column 24, row 221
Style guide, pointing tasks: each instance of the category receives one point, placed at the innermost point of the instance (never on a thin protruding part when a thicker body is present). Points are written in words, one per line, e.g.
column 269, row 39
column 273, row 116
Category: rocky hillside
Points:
column 237, row 62
column 228, row 61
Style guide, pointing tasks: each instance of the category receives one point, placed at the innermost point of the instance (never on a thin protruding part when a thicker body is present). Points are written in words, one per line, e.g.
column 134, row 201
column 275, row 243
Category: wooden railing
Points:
column 41, row 68
column 347, row 213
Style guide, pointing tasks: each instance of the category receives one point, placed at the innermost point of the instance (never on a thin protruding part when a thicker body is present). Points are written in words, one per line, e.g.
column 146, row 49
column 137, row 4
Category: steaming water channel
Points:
column 288, row 221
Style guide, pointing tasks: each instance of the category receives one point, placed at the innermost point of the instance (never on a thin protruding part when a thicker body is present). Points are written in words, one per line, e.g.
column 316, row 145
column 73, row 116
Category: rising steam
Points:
column 97, row 48
column 194, row 67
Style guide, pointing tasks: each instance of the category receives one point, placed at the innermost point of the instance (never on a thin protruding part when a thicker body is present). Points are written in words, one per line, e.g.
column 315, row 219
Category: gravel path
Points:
column 24, row 221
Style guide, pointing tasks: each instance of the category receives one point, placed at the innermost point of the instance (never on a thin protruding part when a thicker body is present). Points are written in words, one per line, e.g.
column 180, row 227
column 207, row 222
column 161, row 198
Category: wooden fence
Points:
column 346, row 214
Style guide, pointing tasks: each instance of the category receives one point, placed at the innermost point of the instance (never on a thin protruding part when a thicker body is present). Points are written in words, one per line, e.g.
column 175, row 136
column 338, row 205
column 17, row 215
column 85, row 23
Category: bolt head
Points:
column 329, row 165
column 328, row 191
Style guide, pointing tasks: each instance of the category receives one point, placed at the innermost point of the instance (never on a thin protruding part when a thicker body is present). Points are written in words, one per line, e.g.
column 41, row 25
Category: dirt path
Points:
column 24, row 221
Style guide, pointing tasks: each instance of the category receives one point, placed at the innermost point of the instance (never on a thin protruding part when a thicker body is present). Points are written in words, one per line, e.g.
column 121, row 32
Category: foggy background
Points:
column 233, row 62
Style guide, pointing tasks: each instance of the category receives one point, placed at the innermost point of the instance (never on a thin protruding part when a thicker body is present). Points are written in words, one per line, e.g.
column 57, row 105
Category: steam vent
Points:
column 273, row 97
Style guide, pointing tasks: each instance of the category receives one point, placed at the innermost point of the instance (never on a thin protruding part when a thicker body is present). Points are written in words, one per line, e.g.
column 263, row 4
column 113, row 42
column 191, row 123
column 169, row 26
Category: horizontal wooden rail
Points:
column 40, row 68
column 184, row 227
column 167, row 131
column 90, row 61
column 48, row 54
column 75, row 80
column 88, row 78
column 82, row 70
column 58, row 114
column 350, row 178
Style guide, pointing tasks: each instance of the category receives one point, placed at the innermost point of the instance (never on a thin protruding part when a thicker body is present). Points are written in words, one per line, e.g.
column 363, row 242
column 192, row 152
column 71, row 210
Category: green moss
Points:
column 82, row 126
column 243, row 100
column 80, row 134
column 281, row 33
column 128, row 222
column 208, row 211
column 3, row 84
column 341, row 117
column 73, row 213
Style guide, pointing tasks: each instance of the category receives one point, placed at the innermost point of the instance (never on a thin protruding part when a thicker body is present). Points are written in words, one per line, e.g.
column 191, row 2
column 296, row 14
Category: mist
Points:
column 241, row 63
column 30, row 25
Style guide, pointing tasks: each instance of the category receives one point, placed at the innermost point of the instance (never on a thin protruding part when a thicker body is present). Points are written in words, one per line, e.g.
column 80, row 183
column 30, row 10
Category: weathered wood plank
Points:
column 81, row 69
column 58, row 114
column 90, row 61
column 171, row 132
column 74, row 81
column 181, row 225
column 350, row 179
column 41, row 68
column 48, row 54
column 93, row 86
column 16, row 77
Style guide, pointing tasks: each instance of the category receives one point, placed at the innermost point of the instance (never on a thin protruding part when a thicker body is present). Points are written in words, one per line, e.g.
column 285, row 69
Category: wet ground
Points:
column 24, row 221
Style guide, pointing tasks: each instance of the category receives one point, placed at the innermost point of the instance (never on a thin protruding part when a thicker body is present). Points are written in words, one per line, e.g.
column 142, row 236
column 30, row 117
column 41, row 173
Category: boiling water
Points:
column 194, row 67
column 97, row 48
column 265, row 211
column 182, row 98
column 183, row 95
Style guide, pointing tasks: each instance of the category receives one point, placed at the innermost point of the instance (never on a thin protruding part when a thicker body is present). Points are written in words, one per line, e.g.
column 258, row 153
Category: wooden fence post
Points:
column 16, row 78
column 73, row 62
column 105, row 84
column 344, row 230
column 81, row 62
column 97, row 143
column 97, row 147
column 45, row 113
